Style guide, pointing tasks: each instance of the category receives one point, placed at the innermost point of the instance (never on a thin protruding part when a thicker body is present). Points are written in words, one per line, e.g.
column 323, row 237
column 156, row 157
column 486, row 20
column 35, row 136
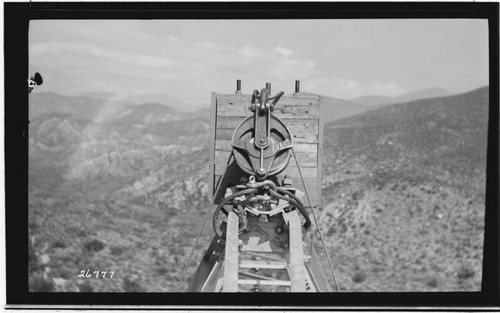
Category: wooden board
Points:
column 300, row 113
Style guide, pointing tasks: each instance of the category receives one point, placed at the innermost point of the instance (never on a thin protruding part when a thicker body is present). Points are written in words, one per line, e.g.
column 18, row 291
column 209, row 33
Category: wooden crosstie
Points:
column 272, row 256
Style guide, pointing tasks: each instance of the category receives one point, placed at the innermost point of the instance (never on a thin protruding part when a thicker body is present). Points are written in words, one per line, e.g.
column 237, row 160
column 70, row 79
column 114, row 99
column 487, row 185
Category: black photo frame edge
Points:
column 16, row 26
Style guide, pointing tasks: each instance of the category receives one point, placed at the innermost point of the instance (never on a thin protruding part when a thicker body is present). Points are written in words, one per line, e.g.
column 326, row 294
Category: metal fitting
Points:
column 287, row 181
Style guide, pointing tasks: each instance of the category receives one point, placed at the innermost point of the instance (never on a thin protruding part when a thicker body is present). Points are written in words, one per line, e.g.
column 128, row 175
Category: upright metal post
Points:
column 238, row 87
column 297, row 86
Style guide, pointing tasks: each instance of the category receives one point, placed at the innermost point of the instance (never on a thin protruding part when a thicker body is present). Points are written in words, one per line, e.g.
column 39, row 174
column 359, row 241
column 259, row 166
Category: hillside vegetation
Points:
column 126, row 191
column 403, row 190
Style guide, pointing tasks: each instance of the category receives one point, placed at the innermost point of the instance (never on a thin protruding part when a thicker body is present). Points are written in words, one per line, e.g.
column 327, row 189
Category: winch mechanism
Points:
column 261, row 224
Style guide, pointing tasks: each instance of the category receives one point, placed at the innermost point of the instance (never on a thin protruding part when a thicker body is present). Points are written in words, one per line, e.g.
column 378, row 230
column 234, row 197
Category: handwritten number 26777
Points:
column 87, row 274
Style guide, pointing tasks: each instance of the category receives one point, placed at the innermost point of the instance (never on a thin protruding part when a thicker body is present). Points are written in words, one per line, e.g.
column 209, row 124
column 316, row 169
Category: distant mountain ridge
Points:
column 378, row 100
column 334, row 108
column 48, row 103
column 93, row 105
column 420, row 132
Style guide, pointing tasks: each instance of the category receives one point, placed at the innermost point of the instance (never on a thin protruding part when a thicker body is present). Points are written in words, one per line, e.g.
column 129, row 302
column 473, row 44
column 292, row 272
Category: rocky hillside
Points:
column 403, row 190
column 403, row 194
column 336, row 109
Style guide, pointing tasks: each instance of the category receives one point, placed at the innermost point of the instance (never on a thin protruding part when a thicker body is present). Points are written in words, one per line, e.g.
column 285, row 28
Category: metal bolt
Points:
column 261, row 170
column 279, row 229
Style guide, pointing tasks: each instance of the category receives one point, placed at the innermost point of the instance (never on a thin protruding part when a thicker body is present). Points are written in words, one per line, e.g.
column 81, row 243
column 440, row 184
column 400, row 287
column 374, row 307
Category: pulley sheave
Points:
column 261, row 143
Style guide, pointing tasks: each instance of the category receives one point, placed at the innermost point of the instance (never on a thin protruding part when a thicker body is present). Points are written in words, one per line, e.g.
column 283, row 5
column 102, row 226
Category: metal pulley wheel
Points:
column 262, row 143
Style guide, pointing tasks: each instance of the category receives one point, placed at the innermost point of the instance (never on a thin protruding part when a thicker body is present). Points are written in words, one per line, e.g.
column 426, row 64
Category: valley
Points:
column 121, row 187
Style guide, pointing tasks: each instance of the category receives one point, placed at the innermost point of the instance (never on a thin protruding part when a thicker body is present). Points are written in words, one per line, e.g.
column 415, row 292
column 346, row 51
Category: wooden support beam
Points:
column 315, row 269
column 231, row 256
column 205, row 269
column 263, row 264
column 297, row 269
column 264, row 282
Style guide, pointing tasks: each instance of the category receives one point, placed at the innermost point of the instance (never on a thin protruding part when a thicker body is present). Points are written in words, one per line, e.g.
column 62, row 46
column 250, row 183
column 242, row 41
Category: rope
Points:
column 181, row 280
column 316, row 221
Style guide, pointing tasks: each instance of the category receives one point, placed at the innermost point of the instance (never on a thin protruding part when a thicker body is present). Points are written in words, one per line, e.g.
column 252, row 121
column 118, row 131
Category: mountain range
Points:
column 380, row 100
column 120, row 186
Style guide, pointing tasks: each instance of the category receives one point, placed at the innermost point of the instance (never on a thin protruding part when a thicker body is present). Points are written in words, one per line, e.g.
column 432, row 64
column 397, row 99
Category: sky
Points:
column 188, row 59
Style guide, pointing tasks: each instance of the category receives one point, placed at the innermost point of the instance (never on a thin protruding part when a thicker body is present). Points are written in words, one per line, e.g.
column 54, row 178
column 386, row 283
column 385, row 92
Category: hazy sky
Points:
column 188, row 59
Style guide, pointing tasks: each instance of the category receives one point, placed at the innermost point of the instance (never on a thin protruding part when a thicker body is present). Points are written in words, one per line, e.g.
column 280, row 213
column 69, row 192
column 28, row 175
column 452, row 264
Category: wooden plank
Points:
column 314, row 267
column 205, row 270
column 305, row 160
column 282, row 112
column 320, row 146
column 297, row 269
column 231, row 122
column 263, row 282
column 225, row 145
column 302, row 133
column 285, row 100
column 263, row 264
column 297, row 127
column 231, row 255
column 211, row 163
column 306, row 129
column 293, row 171
column 317, row 274
column 215, row 280
column 237, row 110
column 255, row 276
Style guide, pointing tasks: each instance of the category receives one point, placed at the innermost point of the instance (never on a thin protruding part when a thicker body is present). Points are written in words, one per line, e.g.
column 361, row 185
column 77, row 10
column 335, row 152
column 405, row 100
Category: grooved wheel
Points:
column 275, row 156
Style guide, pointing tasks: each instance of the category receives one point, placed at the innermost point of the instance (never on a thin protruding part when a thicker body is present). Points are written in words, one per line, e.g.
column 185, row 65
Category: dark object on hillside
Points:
column 94, row 245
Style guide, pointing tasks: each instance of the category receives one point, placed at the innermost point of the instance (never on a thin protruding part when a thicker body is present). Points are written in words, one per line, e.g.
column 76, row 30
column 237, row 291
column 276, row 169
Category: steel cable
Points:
column 295, row 202
column 181, row 280
column 316, row 221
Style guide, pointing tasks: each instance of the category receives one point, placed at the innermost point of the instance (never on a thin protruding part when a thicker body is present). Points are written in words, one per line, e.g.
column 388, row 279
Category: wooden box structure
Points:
column 300, row 113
